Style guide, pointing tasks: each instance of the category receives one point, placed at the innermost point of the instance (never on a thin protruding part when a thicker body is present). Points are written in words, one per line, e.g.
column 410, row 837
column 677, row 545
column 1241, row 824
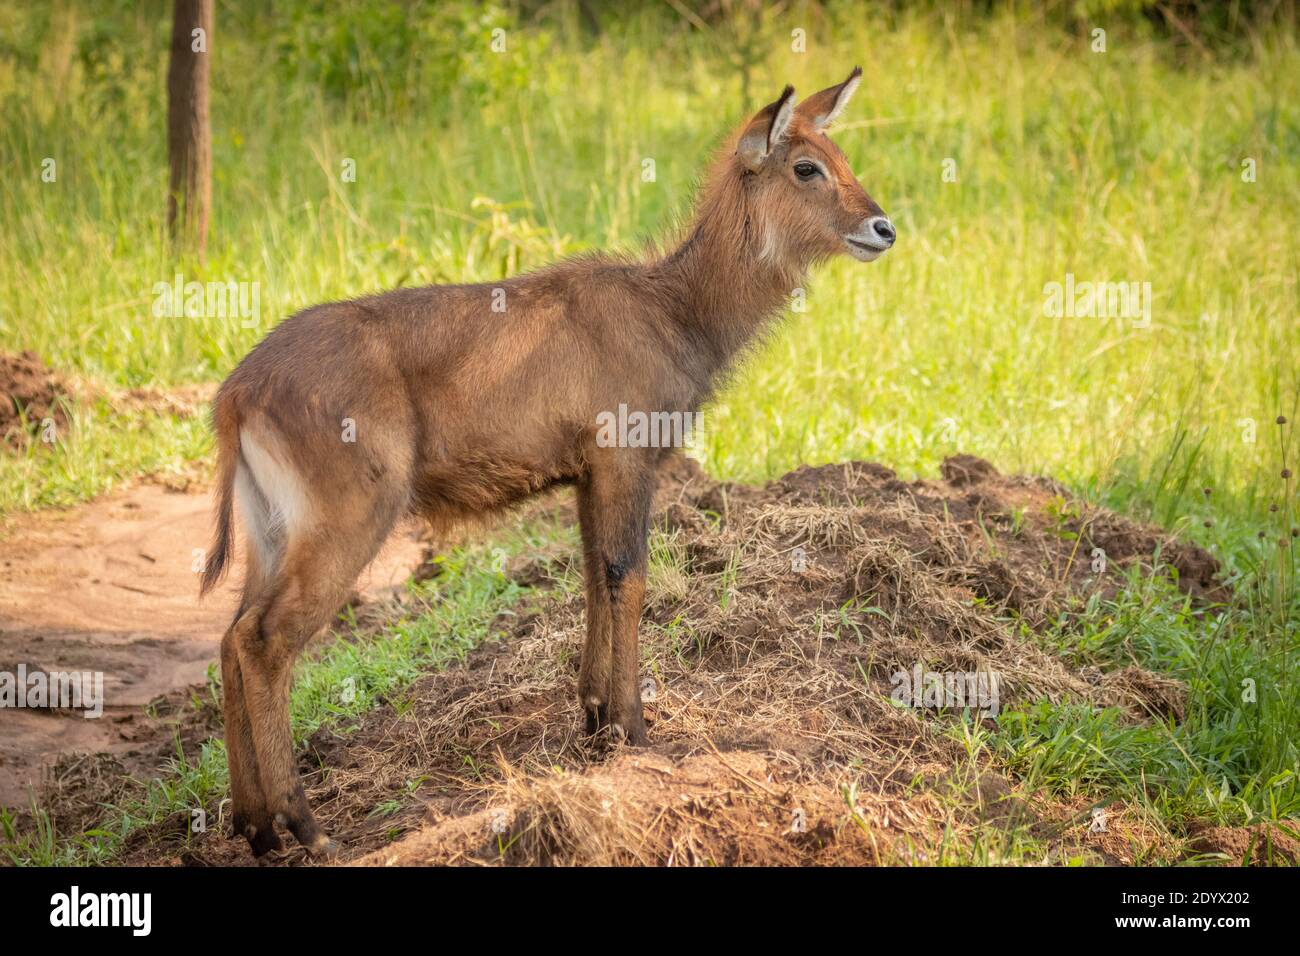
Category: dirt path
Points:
column 109, row 587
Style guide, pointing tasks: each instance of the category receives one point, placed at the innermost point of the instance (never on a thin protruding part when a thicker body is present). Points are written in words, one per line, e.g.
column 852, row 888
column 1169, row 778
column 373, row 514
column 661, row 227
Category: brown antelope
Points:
column 455, row 401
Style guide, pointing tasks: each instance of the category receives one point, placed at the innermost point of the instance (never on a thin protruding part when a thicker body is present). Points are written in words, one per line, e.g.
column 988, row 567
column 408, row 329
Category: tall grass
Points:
column 1114, row 166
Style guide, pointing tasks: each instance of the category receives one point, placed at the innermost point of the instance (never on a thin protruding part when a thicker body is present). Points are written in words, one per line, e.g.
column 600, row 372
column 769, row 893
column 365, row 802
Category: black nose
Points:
column 883, row 228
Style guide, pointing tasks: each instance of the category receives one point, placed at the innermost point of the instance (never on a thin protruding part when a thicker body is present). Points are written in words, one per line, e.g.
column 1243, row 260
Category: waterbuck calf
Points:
column 454, row 401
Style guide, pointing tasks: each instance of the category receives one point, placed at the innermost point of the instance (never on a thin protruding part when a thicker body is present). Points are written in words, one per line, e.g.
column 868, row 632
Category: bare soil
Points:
column 777, row 617
column 109, row 587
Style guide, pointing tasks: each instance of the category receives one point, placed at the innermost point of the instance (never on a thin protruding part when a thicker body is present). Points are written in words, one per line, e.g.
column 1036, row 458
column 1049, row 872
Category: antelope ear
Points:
column 822, row 108
column 766, row 130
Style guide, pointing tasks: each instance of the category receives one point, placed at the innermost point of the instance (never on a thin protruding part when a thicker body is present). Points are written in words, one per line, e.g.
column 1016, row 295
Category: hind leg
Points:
column 312, row 583
column 252, row 818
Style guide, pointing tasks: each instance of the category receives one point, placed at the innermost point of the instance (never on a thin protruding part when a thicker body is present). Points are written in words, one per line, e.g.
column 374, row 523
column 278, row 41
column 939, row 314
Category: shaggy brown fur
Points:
column 455, row 401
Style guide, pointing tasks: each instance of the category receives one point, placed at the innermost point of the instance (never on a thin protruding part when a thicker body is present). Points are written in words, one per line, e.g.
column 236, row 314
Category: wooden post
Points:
column 189, row 135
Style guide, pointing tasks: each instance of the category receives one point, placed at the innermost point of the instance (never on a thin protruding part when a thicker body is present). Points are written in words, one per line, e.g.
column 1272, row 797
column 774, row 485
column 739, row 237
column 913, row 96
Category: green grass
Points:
column 1232, row 758
column 98, row 448
column 1116, row 166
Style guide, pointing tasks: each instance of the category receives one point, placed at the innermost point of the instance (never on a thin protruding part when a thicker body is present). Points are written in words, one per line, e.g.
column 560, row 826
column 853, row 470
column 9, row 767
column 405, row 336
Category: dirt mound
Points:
column 178, row 401
column 1260, row 845
column 29, row 395
column 782, row 622
column 32, row 395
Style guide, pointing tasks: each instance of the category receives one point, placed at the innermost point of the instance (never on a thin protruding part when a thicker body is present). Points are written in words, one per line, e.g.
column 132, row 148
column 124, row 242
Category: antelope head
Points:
column 808, row 203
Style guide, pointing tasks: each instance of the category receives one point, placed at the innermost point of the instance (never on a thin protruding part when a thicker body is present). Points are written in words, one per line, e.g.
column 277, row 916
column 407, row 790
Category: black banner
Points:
column 130, row 906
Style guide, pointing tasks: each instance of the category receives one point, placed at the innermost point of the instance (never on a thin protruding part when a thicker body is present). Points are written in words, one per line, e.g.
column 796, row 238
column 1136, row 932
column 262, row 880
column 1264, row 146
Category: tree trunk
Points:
column 189, row 136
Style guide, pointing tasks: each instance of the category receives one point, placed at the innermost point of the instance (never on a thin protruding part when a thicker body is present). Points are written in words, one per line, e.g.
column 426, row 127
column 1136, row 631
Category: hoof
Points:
column 261, row 840
column 597, row 719
column 324, row 849
column 264, row 842
column 633, row 733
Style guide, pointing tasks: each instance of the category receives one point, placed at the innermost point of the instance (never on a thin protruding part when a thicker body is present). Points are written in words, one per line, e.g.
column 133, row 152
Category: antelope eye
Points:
column 805, row 170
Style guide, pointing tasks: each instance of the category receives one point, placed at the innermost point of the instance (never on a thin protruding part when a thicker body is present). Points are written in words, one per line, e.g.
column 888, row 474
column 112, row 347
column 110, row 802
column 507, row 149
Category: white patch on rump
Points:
column 272, row 496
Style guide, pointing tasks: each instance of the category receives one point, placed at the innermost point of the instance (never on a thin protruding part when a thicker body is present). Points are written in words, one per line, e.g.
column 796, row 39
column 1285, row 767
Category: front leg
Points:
column 627, row 590
column 614, row 513
column 594, row 671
